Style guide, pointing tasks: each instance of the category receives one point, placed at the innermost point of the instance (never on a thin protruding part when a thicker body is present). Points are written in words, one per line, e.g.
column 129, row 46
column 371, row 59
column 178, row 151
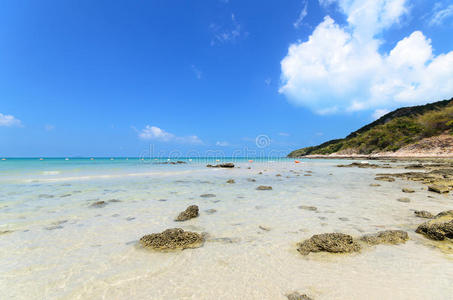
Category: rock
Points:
column 231, row 181
column 207, row 195
column 98, row 204
column 385, row 178
column 438, row 189
column 172, row 239
column 278, row 175
column 440, row 228
column 297, row 296
column 190, row 213
column 407, row 190
column 375, row 184
column 404, row 199
column 264, row 188
column 423, row 214
column 264, row 228
column 329, row 242
column 225, row 165
column 393, row 237
column 251, row 179
column 311, row 208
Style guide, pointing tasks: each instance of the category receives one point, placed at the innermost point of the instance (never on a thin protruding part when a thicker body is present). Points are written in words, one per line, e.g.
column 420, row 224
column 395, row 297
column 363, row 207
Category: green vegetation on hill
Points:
column 392, row 131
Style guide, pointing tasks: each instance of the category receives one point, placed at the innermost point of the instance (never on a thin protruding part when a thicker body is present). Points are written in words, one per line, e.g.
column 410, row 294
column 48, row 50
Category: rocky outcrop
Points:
column 190, row 213
column 172, row 239
column 392, row 237
column 438, row 189
column 440, row 228
column 329, row 242
column 231, row 181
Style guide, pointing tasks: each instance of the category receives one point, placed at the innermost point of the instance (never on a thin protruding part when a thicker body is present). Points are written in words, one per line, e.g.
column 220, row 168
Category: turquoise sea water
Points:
column 55, row 245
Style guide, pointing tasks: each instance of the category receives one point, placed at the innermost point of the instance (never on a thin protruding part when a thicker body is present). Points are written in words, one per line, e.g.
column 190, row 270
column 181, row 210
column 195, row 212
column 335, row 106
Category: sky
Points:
column 162, row 77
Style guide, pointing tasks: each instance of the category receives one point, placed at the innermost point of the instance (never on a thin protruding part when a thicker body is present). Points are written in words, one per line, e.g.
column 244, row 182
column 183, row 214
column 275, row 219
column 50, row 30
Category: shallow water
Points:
column 55, row 245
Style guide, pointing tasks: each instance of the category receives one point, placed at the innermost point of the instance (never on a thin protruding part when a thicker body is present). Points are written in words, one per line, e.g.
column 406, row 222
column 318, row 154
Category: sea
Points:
column 56, row 243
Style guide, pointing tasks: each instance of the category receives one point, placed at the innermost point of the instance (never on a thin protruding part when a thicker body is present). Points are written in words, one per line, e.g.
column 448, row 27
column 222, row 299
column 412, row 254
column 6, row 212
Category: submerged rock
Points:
column 404, row 199
column 98, row 204
column 207, row 195
column 393, row 237
column 251, row 179
column 264, row 188
column 423, row 214
column 407, row 190
column 190, row 213
column 210, row 211
column 231, row 181
column 311, row 208
column 440, row 228
column 172, row 239
column 297, row 296
column 375, row 184
column 329, row 242
column 264, row 228
column 385, row 178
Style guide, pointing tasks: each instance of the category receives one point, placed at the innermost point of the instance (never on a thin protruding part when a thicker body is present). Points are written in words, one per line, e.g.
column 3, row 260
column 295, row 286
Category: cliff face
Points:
column 400, row 128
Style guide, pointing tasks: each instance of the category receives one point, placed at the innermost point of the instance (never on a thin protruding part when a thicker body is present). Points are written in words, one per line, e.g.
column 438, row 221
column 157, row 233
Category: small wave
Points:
column 50, row 173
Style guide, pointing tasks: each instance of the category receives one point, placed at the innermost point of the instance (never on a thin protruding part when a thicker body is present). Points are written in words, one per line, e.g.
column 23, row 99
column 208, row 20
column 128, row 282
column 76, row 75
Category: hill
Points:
column 397, row 129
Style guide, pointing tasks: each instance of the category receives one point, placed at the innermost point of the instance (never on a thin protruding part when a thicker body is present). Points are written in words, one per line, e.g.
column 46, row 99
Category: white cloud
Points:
column 340, row 68
column 379, row 113
column 9, row 121
column 303, row 13
column 441, row 14
column 158, row 134
column 283, row 134
column 222, row 144
column 225, row 34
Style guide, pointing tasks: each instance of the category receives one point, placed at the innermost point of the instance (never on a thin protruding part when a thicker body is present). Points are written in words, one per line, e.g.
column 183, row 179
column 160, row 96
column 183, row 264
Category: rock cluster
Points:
column 439, row 228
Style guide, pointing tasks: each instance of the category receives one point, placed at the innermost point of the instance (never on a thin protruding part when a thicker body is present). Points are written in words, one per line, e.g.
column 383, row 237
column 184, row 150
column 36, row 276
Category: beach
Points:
column 70, row 229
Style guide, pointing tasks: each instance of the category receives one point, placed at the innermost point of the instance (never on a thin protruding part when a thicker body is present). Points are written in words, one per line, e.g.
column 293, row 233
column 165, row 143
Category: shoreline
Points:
column 383, row 156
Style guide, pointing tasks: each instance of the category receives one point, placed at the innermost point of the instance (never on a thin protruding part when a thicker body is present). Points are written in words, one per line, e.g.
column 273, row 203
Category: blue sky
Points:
column 111, row 78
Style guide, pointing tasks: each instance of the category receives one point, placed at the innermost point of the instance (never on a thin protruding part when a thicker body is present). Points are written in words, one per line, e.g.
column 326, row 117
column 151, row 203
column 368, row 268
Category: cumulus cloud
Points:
column 158, row 134
column 340, row 68
column 9, row 121
column 379, row 113
column 303, row 13
column 197, row 72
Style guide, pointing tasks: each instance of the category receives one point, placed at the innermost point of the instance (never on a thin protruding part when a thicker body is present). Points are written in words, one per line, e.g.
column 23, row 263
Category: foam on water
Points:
column 56, row 245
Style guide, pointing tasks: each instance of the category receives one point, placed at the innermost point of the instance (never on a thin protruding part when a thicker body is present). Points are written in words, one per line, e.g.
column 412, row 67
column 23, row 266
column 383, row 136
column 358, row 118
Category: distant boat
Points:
column 41, row 159
column 3, row 158
column 112, row 159
column 66, row 159
column 91, row 158
column 190, row 159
